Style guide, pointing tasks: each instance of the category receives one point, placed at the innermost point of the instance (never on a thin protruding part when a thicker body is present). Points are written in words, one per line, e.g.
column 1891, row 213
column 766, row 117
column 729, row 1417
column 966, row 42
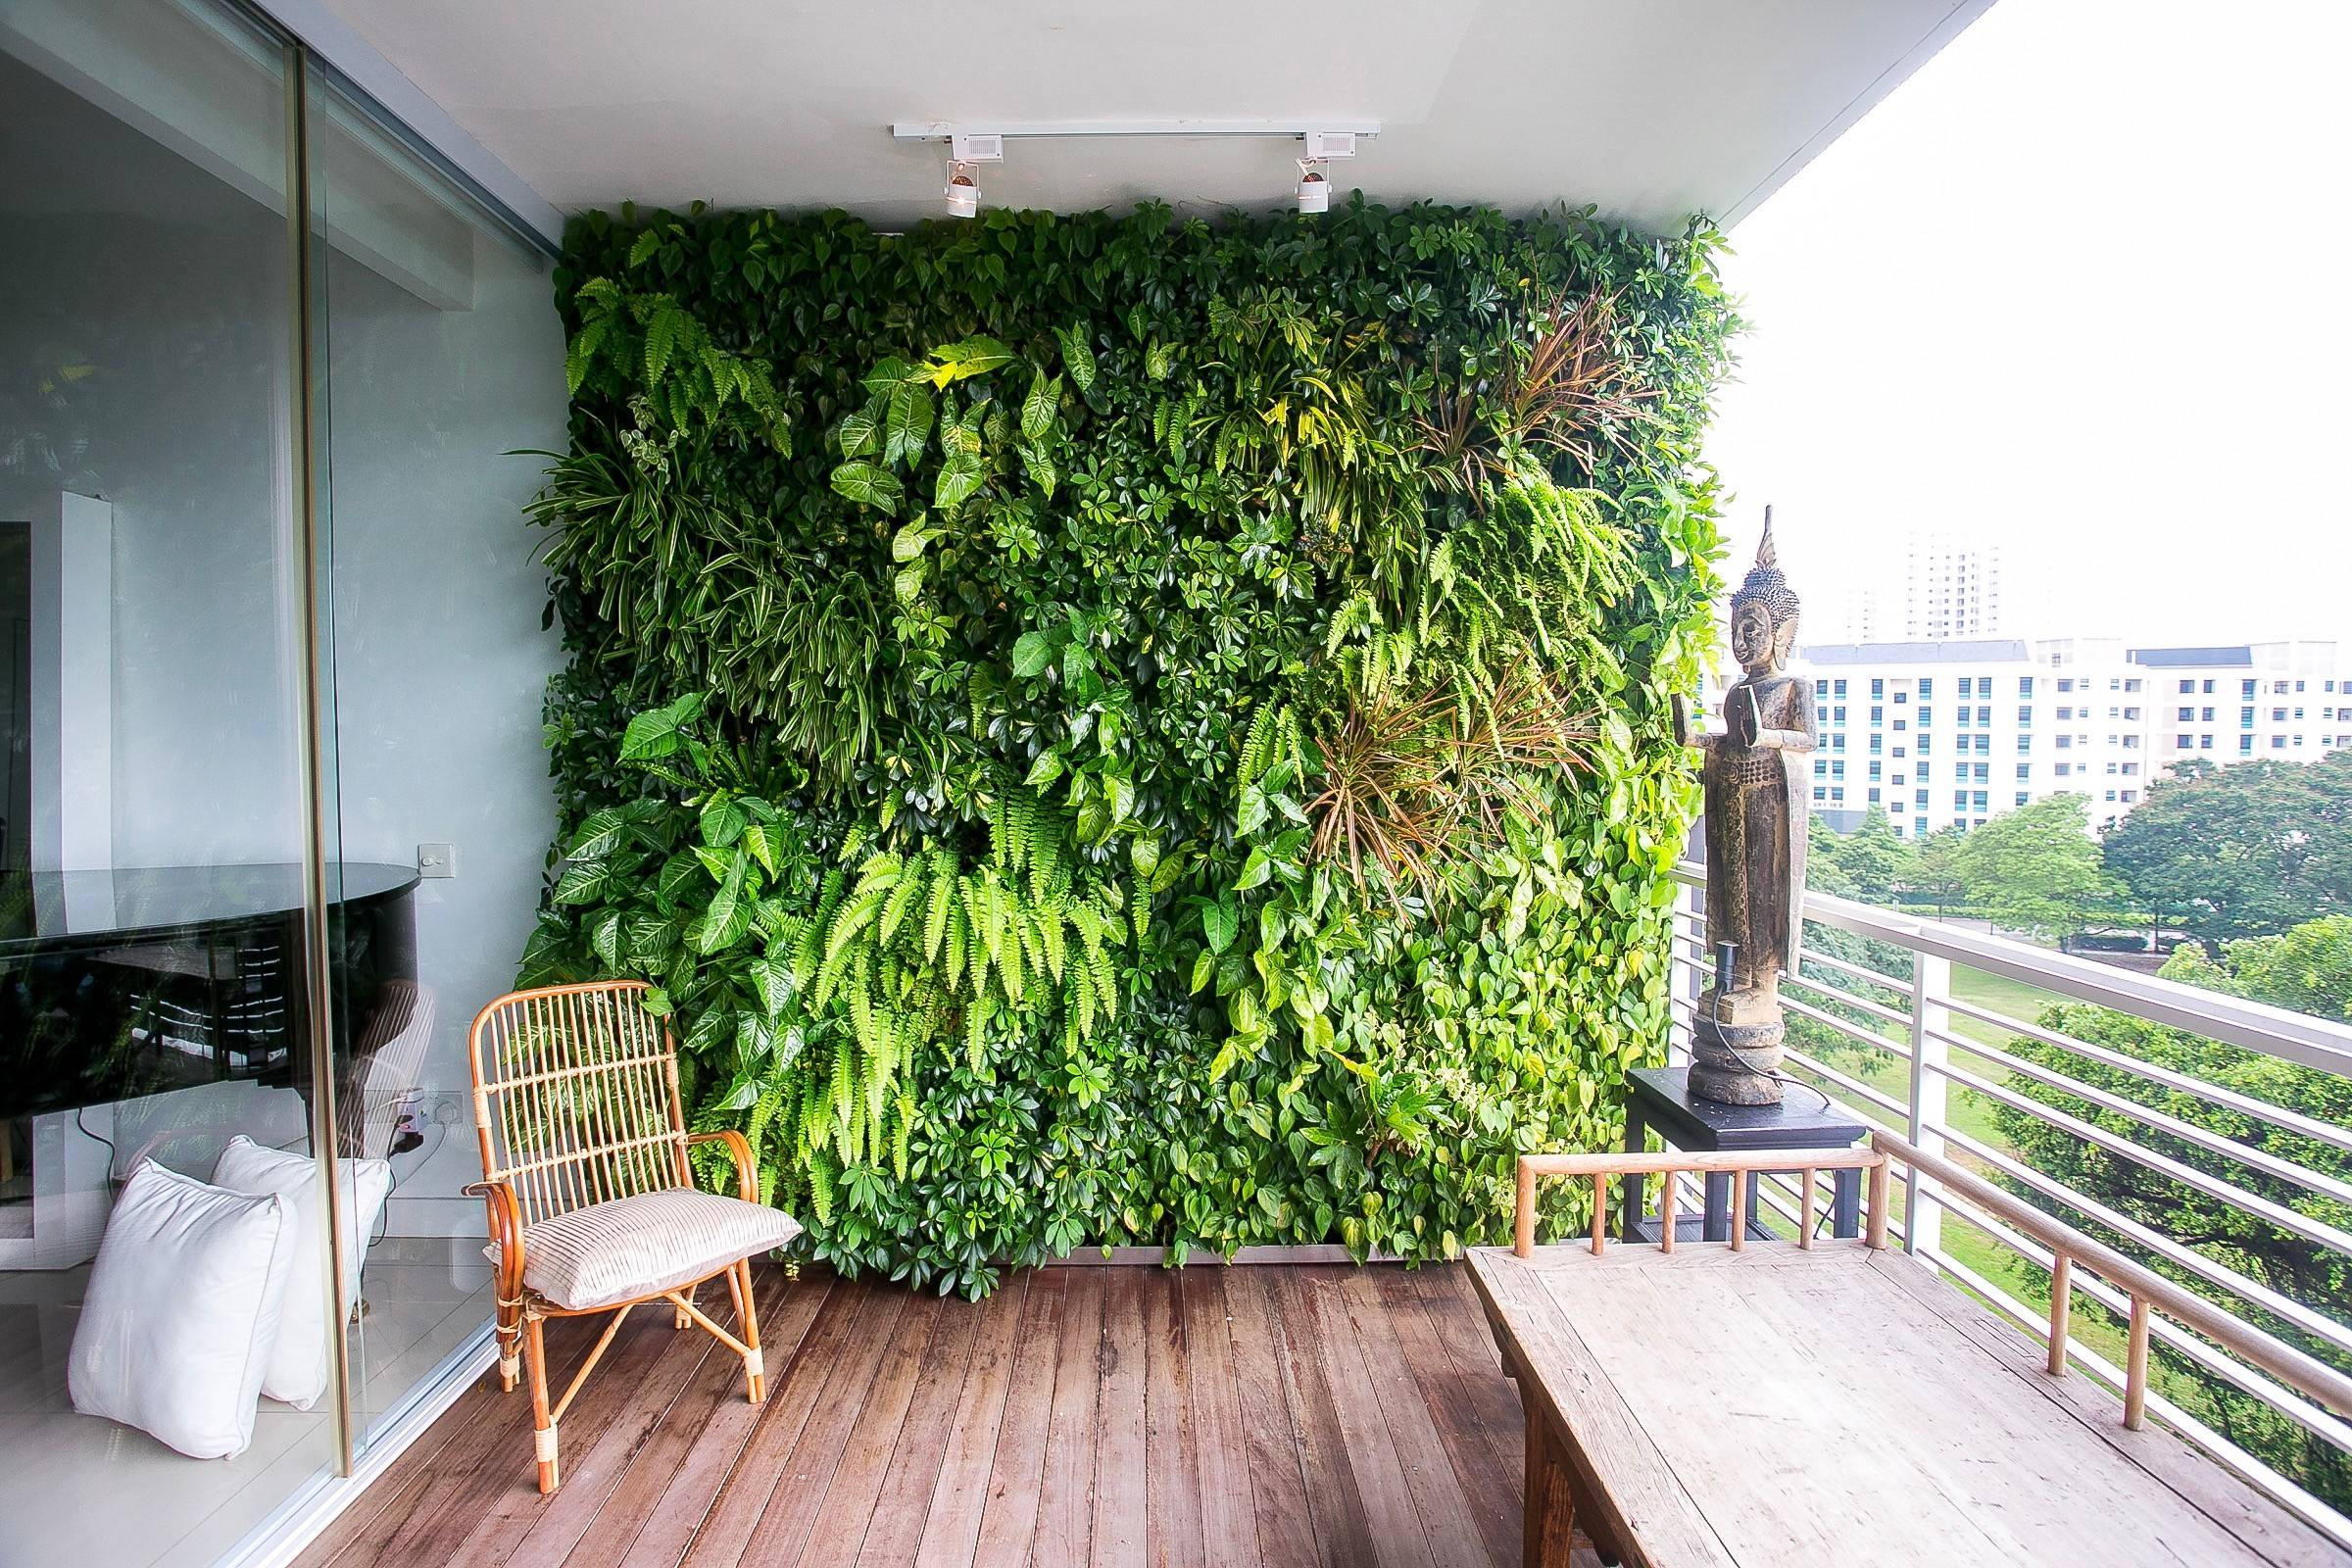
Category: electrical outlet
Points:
column 436, row 860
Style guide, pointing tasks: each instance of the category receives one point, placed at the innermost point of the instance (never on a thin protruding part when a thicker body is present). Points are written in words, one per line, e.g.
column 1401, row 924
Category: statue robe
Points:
column 1758, row 806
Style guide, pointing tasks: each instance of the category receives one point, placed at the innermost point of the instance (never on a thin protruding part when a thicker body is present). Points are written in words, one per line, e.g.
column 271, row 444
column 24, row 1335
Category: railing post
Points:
column 1931, row 1019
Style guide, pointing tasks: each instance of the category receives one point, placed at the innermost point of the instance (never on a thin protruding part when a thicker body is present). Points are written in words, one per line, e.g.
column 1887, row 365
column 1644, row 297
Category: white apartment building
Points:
column 1951, row 589
column 1950, row 733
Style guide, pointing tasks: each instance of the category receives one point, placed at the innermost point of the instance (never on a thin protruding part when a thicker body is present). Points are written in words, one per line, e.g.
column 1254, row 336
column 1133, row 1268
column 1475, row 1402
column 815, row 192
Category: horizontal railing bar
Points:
column 2252, row 1381
column 2290, row 1494
column 2254, row 1159
column 2278, row 1215
column 2293, row 1121
column 1846, row 1027
column 2250, row 1025
column 1875, row 1009
column 2252, row 1291
column 1896, row 983
column 1886, row 1103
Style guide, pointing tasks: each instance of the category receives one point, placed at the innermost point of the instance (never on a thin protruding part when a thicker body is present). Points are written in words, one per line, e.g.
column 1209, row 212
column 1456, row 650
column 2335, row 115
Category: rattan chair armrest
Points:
column 739, row 1150
column 506, row 1230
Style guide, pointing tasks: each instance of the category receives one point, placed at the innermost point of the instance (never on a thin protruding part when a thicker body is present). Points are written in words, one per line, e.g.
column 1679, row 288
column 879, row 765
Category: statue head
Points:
column 1764, row 612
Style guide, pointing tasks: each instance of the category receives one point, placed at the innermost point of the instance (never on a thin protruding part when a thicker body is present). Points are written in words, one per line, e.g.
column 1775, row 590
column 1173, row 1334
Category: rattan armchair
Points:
column 592, row 1204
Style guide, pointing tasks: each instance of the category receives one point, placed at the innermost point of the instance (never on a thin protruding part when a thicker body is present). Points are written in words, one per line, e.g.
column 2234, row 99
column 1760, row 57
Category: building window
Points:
column 2064, row 769
column 1838, row 770
column 1838, row 715
column 1840, row 688
column 2109, row 794
column 1876, row 742
column 2181, row 743
column 1902, row 697
column 2131, row 797
column 2065, row 741
column 1878, row 687
column 2131, row 714
column 1838, row 741
column 2185, row 715
column 1978, row 802
column 2204, row 743
column 2188, row 686
column 2245, row 718
column 1874, row 769
column 2131, row 743
column 2025, row 746
column 1925, row 744
column 1874, row 796
column 1877, row 714
column 2131, row 770
column 1961, row 719
column 2025, row 772
column 2245, row 745
column 2245, row 688
column 2279, row 688
column 1959, row 800
column 2025, row 685
column 2066, row 712
column 2299, row 712
column 1821, row 792
column 1919, row 802
column 1821, row 688
column 2132, row 684
column 2021, row 797
column 1927, row 716
column 2208, row 719
column 1821, row 767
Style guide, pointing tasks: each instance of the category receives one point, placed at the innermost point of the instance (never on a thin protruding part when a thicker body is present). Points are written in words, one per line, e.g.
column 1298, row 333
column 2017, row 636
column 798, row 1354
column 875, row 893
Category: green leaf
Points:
column 859, row 436
column 604, row 936
column 598, row 836
column 959, row 478
column 647, row 243
column 909, row 542
column 761, row 839
column 907, row 429
column 583, row 884
column 868, row 485
column 1220, row 922
column 1255, row 870
column 1079, row 355
column 1047, row 768
column 723, row 823
column 1037, row 408
column 1040, row 470
column 967, row 357
column 649, row 735
column 1032, row 651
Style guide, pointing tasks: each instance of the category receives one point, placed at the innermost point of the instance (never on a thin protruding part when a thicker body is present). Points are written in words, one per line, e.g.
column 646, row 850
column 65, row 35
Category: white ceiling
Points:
column 1652, row 109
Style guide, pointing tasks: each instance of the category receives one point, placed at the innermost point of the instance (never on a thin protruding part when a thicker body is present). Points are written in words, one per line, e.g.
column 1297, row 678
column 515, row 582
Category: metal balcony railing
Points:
column 1902, row 1033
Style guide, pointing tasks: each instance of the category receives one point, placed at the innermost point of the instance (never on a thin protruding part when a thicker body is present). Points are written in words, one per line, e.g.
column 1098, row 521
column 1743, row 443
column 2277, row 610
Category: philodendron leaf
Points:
column 1037, row 408
column 1042, row 472
column 906, row 429
column 868, row 485
column 966, row 357
column 861, row 437
column 909, row 541
column 1079, row 355
column 959, row 478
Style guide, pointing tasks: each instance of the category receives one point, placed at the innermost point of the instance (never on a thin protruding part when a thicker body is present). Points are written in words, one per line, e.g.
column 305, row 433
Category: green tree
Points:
column 2035, row 868
column 2245, row 851
column 2308, row 968
column 1867, row 863
column 1934, row 868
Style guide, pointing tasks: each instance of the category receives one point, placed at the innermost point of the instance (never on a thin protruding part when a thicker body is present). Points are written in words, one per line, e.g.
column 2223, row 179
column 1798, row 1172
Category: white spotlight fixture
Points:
column 965, row 149
column 1314, row 191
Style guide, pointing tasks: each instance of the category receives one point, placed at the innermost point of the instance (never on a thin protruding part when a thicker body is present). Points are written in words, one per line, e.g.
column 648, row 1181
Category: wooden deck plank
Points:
column 1082, row 1414
column 852, row 1317
column 1436, row 1499
column 1119, row 1478
column 1342, row 1478
column 902, row 1505
column 1286, row 1530
column 847, row 1509
column 1227, row 1503
column 1490, row 1493
column 1065, row 1502
column 687, row 1495
column 1171, row 1456
column 952, row 1530
column 1015, row 1481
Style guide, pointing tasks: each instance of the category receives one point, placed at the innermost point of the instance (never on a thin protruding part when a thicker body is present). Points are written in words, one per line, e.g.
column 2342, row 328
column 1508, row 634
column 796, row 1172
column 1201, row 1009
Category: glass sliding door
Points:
column 165, row 1377
column 439, row 354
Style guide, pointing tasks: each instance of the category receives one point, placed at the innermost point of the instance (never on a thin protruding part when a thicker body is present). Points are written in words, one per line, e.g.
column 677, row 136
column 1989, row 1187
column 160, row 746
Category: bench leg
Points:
column 1550, row 1532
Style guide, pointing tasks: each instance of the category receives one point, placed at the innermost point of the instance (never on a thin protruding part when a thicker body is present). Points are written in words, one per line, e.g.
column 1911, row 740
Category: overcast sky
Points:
column 2078, row 287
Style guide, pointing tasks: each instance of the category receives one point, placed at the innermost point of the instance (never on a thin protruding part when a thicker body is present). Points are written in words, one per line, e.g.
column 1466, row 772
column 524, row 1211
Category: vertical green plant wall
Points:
column 1129, row 729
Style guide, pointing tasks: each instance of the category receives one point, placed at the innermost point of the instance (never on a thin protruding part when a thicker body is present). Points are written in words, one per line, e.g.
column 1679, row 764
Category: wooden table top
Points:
column 1780, row 1406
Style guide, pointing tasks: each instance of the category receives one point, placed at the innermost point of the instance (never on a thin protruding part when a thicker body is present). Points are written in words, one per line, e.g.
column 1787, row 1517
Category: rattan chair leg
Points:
column 543, row 1423
column 679, row 1319
column 755, row 1370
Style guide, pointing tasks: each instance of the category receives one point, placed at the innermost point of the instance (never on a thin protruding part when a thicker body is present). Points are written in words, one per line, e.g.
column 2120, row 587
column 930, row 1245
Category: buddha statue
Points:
column 1757, row 807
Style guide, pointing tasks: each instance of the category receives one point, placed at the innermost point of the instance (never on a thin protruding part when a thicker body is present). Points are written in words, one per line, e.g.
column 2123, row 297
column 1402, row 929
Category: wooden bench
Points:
column 1790, row 1403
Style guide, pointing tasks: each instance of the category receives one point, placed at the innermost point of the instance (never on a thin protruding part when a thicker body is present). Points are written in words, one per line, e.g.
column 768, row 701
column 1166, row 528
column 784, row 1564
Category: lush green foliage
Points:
column 2308, row 968
column 1127, row 730
column 2245, row 850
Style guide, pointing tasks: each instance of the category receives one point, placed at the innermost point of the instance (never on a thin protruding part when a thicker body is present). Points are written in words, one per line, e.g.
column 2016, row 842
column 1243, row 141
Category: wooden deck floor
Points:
column 1274, row 1414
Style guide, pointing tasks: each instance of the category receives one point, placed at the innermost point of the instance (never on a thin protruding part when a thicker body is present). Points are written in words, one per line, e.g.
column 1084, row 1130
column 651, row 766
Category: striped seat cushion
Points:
column 632, row 1247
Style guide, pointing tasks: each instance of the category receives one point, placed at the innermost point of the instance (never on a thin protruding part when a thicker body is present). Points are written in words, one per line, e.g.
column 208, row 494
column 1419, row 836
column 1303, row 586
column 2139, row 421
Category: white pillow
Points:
column 180, row 1311
column 299, row 1362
